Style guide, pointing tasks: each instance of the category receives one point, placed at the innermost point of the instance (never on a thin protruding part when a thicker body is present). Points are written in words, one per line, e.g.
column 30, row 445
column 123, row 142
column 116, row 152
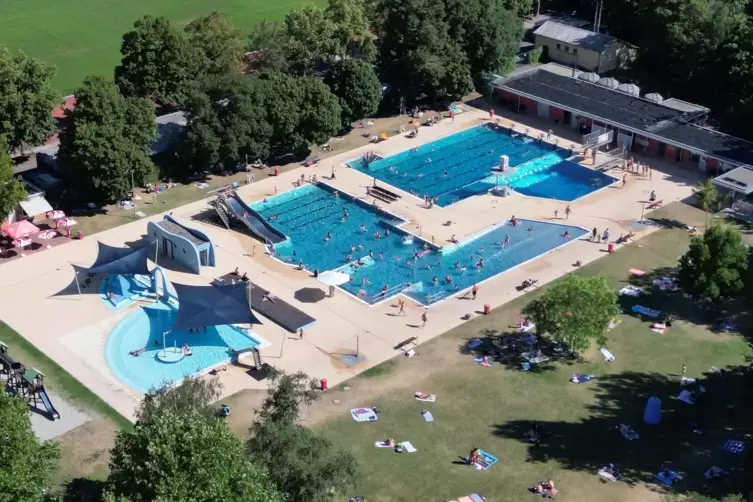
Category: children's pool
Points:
column 141, row 328
column 391, row 257
column 460, row 165
column 120, row 291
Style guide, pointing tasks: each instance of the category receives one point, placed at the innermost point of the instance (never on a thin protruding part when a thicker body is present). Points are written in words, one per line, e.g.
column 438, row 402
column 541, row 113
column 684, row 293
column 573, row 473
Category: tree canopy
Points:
column 106, row 142
column 192, row 394
column 12, row 191
column 219, row 42
column 302, row 464
column 26, row 464
column 158, row 61
column 26, row 101
column 715, row 265
column 575, row 311
column 357, row 87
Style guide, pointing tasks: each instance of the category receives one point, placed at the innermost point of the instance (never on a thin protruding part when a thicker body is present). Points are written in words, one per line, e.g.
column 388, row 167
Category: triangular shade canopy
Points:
column 200, row 306
column 112, row 260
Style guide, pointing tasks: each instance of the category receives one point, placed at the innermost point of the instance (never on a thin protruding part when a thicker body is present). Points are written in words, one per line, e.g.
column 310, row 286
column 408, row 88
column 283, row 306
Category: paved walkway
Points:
column 73, row 329
column 71, row 417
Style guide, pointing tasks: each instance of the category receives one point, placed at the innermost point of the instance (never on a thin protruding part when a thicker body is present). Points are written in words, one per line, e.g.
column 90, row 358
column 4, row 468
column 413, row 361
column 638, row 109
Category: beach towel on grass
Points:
column 640, row 309
column 577, row 378
column 637, row 272
column 473, row 497
column 527, row 327
column 381, row 444
column 613, row 324
column 485, row 460
column 733, row 446
column 429, row 398
column 608, row 357
column 427, row 416
column 686, row 397
column 604, row 473
column 628, row 432
column 631, row 291
column 668, row 477
column 472, row 344
column 363, row 414
column 406, row 447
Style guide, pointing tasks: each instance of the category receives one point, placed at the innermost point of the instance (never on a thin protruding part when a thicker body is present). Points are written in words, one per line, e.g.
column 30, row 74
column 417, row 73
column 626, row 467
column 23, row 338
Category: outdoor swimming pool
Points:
column 141, row 328
column 120, row 291
column 460, row 166
column 307, row 214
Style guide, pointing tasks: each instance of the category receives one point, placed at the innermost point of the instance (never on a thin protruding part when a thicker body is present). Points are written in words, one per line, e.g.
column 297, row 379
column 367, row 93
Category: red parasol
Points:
column 56, row 214
column 20, row 229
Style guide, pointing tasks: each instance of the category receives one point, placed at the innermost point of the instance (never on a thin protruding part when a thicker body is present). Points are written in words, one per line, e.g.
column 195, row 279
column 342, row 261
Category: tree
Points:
column 226, row 124
column 158, row 61
column 707, row 196
column 219, row 41
column 301, row 110
column 191, row 395
column 26, row 464
column 106, row 142
column 357, row 87
column 575, row 311
column 715, row 265
column 12, row 191
column 697, row 497
column 351, row 27
column 26, row 101
column 520, row 8
column 302, row 464
column 184, row 455
column 269, row 40
column 311, row 39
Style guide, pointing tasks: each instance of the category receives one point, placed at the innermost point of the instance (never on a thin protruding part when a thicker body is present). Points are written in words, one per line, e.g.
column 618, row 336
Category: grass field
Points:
column 82, row 37
column 491, row 408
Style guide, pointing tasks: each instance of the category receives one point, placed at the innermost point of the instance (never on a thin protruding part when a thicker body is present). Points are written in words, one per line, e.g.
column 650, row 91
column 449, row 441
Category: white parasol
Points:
column 55, row 214
column 47, row 235
column 22, row 243
column 333, row 278
column 66, row 222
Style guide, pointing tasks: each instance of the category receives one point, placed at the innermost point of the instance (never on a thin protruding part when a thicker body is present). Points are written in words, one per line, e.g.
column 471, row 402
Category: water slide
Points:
column 254, row 221
column 48, row 404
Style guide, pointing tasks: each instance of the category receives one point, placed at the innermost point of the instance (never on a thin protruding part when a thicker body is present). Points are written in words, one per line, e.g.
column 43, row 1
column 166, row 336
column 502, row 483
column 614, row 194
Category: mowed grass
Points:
column 491, row 408
column 82, row 37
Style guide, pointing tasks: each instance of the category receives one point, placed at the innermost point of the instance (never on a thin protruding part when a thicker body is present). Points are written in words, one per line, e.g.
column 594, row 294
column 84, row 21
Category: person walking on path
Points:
column 474, row 291
column 594, row 234
column 568, row 211
column 401, row 304
column 556, row 213
column 300, row 334
column 624, row 180
column 424, row 318
column 491, row 113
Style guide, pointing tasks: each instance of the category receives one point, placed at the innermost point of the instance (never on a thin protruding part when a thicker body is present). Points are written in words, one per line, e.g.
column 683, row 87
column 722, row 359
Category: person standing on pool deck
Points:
column 594, row 234
column 424, row 318
column 568, row 211
column 401, row 304
column 624, row 180
column 474, row 291
column 605, row 237
column 556, row 213
column 491, row 113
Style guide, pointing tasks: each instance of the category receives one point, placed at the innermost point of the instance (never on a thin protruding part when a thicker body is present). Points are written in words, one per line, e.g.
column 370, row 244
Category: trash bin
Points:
column 323, row 384
column 610, row 247
column 487, row 309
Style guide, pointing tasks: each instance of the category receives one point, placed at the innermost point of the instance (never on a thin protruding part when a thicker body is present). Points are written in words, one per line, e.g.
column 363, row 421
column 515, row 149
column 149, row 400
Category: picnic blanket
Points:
column 637, row 272
column 485, row 460
column 382, row 444
column 604, row 473
column 631, row 291
column 427, row 416
column 363, row 414
column 686, row 397
column 640, row 309
column 733, row 446
column 406, row 447
column 628, row 432
column 473, row 497
column 534, row 357
column 527, row 327
column 429, row 398
column 668, row 476
column 578, row 378
column 608, row 357
column 476, row 342
column 613, row 324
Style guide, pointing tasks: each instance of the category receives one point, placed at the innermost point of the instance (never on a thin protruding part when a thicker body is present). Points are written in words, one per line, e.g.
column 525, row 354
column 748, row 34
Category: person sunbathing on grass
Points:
column 422, row 395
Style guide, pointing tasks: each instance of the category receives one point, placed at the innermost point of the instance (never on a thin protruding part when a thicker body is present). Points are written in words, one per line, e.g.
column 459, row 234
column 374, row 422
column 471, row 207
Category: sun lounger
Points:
column 686, row 397
column 363, row 414
column 406, row 447
column 577, row 378
column 427, row 416
column 631, row 291
column 733, row 446
column 655, row 204
column 628, row 432
column 428, row 398
column 640, row 309
column 608, row 357
column 637, row 272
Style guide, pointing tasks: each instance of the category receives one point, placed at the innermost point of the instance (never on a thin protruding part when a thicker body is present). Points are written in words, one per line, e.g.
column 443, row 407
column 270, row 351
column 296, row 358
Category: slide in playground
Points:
column 254, row 221
column 48, row 404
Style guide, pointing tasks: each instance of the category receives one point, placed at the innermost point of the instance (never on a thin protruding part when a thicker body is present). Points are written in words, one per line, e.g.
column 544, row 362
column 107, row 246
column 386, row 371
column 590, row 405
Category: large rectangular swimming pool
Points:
column 461, row 165
column 333, row 231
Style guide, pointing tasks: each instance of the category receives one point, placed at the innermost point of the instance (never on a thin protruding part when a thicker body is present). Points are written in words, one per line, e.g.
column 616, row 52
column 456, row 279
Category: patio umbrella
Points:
column 333, row 278
column 20, row 229
column 47, row 235
column 55, row 215
column 22, row 243
column 309, row 295
column 66, row 223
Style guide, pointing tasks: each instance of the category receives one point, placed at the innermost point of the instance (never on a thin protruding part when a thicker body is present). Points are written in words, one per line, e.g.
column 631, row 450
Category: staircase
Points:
column 257, row 358
column 216, row 204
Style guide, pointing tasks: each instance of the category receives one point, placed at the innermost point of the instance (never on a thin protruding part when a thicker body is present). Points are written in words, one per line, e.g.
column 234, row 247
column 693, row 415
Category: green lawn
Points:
column 491, row 408
column 82, row 37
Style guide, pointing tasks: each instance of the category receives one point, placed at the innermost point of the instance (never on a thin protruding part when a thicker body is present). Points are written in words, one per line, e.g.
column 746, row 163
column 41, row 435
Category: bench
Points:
column 655, row 204
column 405, row 343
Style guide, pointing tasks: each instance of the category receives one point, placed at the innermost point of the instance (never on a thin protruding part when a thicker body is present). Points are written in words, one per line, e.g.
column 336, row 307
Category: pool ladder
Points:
column 434, row 297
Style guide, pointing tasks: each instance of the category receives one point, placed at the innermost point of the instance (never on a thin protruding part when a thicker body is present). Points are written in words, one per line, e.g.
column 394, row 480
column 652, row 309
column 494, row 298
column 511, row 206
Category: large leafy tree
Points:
column 184, row 455
column 106, row 142
column 715, row 265
column 302, row 464
column 707, row 196
column 575, row 311
column 158, row 61
column 268, row 40
column 311, row 39
column 357, row 87
column 351, row 28
column 226, row 124
column 26, row 100
column 220, row 43
column 192, row 395
column 26, row 464
column 12, row 191
column 301, row 110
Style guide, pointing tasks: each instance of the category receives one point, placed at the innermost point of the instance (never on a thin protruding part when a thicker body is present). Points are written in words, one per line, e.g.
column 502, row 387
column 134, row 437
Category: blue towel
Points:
column 582, row 378
column 640, row 309
column 733, row 446
column 667, row 477
column 526, row 366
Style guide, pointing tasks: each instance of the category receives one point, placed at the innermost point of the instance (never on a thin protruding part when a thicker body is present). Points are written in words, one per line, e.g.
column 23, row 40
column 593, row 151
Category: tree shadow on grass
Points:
column 667, row 223
column 511, row 347
column 595, row 441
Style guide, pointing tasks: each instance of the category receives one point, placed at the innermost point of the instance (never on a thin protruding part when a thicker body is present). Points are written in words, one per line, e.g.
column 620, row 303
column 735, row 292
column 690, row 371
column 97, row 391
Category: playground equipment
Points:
column 27, row 383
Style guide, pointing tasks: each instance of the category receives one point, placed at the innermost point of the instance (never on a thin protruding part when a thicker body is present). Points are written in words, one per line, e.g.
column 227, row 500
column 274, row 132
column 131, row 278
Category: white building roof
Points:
column 575, row 36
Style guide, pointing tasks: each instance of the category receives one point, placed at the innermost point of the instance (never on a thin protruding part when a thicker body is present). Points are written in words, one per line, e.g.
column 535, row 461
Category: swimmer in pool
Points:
column 362, row 228
column 380, row 255
column 435, row 281
column 387, row 233
column 530, row 229
column 456, row 265
column 507, row 241
column 352, row 249
column 342, row 219
column 462, row 270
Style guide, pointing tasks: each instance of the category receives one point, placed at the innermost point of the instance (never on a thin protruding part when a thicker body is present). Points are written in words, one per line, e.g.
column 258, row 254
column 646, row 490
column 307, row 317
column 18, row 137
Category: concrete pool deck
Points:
column 73, row 330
